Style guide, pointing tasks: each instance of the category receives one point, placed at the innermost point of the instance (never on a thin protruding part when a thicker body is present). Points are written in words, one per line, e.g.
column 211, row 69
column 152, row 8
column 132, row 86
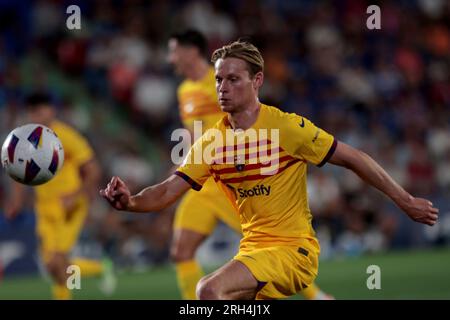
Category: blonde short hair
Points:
column 243, row 50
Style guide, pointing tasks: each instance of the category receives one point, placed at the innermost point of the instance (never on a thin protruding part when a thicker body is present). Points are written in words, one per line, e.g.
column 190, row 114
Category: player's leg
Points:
column 56, row 265
column 88, row 267
column 282, row 271
column 193, row 223
column 233, row 281
column 182, row 252
column 49, row 223
column 73, row 224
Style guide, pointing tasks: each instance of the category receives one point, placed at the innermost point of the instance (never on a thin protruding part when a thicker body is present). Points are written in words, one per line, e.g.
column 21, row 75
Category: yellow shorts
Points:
column 200, row 211
column 57, row 230
column 281, row 271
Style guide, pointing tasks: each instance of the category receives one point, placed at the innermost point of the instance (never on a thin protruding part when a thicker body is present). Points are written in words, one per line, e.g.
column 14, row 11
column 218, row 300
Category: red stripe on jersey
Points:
column 242, row 146
column 229, row 159
column 253, row 166
column 257, row 176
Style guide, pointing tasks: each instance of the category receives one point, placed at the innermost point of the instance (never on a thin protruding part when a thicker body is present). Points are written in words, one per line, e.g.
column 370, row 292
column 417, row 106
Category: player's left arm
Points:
column 418, row 209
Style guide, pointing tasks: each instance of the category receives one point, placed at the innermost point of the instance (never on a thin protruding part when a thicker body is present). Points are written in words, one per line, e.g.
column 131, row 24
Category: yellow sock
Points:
column 61, row 292
column 311, row 292
column 188, row 274
column 88, row 267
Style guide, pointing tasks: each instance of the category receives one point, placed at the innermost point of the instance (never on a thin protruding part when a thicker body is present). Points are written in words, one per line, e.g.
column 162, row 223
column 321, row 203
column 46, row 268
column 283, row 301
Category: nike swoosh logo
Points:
column 302, row 124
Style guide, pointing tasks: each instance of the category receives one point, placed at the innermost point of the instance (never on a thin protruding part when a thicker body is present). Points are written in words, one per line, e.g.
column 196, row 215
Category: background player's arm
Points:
column 153, row 198
column 90, row 175
column 16, row 199
column 418, row 209
column 81, row 154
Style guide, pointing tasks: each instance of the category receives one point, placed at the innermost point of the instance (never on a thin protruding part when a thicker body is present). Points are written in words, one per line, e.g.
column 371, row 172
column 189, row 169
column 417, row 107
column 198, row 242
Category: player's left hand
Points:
column 421, row 210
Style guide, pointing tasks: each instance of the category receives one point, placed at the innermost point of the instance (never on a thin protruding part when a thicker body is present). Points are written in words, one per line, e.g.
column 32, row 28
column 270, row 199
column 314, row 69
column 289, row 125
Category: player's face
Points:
column 180, row 57
column 235, row 88
column 43, row 114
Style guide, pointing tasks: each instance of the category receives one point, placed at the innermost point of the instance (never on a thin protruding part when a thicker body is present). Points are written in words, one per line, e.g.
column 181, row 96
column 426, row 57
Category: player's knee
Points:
column 207, row 289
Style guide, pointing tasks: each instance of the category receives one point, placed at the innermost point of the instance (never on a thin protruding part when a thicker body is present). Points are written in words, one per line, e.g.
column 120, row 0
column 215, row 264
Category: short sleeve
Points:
column 302, row 139
column 194, row 169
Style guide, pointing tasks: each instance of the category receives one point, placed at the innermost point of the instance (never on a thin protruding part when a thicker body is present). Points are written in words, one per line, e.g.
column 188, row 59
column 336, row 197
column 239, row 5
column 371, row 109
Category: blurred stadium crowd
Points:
column 385, row 91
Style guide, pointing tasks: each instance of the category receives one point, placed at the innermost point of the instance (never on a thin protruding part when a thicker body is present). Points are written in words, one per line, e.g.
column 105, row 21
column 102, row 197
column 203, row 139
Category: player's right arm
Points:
column 153, row 198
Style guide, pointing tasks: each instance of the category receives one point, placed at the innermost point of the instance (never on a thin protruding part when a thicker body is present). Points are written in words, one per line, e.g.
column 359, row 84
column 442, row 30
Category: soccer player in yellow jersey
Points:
column 199, row 212
column 62, row 203
column 278, row 255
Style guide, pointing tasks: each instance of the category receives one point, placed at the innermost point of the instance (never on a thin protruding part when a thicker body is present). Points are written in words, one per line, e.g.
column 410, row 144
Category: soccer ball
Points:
column 32, row 154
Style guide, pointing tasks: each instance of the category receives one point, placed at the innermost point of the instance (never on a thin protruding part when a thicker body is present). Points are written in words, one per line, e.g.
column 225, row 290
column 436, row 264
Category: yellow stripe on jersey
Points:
column 272, row 203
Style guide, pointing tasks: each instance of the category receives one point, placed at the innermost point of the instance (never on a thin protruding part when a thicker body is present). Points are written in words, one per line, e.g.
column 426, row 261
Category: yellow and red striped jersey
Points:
column 263, row 174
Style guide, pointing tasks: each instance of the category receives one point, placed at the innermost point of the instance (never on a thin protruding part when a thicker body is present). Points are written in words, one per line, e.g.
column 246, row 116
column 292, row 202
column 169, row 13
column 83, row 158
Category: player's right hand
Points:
column 117, row 194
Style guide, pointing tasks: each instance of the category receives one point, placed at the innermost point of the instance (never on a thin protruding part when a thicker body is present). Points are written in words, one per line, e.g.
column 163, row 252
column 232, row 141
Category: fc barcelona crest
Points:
column 238, row 163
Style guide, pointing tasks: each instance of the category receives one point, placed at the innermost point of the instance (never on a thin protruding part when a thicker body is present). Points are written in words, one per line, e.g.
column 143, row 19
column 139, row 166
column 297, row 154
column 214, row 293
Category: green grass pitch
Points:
column 404, row 275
